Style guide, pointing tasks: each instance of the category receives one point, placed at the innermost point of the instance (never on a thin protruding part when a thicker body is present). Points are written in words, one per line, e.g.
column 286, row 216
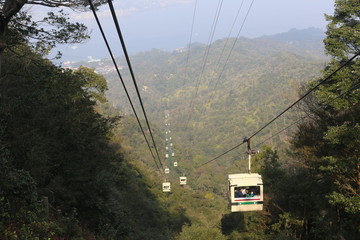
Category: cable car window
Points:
column 247, row 191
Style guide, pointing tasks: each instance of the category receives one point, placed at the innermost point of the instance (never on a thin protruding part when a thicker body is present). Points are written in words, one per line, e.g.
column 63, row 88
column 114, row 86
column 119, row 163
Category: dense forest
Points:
column 74, row 163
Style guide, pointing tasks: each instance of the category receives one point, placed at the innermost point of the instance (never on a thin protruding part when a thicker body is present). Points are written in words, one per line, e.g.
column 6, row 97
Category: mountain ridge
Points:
column 311, row 36
column 247, row 82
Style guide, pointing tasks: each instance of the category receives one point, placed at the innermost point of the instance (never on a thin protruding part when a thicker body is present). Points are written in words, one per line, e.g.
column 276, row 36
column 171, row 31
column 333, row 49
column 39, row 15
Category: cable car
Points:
column 166, row 155
column 171, row 144
column 167, row 148
column 166, row 187
column 173, row 154
column 245, row 192
column 175, row 164
column 183, row 180
column 246, row 189
column 167, row 170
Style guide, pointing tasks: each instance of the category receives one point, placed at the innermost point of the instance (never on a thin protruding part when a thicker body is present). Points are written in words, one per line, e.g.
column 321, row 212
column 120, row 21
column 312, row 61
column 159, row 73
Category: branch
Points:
column 53, row 4
column 10, row 8
column 57, row 3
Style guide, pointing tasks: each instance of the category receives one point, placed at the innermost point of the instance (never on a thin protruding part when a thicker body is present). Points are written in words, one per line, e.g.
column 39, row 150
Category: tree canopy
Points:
column 72, row 168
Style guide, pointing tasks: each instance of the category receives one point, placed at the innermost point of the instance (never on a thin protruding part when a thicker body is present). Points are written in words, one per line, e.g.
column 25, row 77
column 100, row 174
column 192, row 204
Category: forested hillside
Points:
column 62, row 174
column 74, row 163
column 235, row 93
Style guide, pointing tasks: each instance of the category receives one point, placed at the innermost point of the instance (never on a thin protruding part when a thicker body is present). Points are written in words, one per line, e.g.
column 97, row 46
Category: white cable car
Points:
column 246, row 189
column 246, row 192
column 175, row 164
column 183, row 180
column 166, row 187
column 167, row 170
column 171, row 144
column 173, row 154
column 167, row 148
column 166, row 155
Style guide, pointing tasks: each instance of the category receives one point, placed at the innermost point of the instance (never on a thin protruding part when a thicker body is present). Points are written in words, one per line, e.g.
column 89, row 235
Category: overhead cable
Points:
column 206, row 54
column 189, row 45
column 306, row 94
column 122, row 82
column 305, row 116
column 232, row 47
column 112, row 10
column 234, row 43
column 222, row 53
column 229, row 35
column 288, row 108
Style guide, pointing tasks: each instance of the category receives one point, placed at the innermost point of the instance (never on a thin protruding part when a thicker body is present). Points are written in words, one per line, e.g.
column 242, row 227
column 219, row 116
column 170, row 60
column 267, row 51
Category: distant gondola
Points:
column 183, row 180
column 166, row 187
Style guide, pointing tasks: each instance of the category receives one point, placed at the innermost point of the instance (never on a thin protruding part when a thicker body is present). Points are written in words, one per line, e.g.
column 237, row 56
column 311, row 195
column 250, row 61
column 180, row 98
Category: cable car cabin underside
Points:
column 245, row 192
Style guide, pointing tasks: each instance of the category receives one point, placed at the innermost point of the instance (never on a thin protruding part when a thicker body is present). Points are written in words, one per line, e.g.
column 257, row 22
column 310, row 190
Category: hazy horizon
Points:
column 166, row 24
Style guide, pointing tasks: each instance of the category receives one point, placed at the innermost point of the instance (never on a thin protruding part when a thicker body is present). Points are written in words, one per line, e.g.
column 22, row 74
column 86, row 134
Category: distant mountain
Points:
column 242, row 84
column 310, row 39
column 213, row 104
column 298, row 35
column 228, row 96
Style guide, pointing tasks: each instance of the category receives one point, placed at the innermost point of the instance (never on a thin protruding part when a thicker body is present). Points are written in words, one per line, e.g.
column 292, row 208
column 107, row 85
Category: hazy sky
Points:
column 166, row 24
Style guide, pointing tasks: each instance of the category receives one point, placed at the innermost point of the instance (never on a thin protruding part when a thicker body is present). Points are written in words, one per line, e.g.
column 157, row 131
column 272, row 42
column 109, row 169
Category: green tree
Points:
column 196, row 232
column 15, row 22
column 95, row 84
column 328, row 143
column 19, row 27
column 54, row 143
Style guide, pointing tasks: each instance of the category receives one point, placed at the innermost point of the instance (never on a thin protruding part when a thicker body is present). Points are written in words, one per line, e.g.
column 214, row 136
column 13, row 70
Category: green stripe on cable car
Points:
column 247, row 203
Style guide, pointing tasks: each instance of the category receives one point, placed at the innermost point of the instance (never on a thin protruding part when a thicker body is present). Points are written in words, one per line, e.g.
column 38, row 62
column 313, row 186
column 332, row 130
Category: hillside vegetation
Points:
column 233, row 98
column 74, row 163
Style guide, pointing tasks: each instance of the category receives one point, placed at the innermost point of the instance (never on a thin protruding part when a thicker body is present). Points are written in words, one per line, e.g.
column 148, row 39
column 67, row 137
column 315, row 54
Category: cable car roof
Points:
column 245, row 179
column 244, row 175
